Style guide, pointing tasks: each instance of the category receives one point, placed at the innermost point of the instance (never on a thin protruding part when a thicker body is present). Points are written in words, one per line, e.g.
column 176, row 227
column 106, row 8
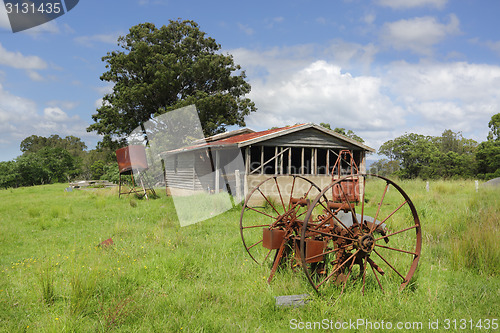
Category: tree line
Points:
column 56, row 160
column 447, row 156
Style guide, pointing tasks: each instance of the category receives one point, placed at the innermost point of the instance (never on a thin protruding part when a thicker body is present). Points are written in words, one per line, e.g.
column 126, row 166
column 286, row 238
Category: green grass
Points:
column 159, row 277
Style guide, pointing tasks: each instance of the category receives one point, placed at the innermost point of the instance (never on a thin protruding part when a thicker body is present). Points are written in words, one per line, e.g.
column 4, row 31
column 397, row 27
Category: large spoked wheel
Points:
column 375, row 242
column 272, row 217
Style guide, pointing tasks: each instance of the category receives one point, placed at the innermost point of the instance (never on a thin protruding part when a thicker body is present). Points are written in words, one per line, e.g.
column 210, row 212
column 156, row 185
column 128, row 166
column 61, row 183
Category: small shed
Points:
column 239, row 160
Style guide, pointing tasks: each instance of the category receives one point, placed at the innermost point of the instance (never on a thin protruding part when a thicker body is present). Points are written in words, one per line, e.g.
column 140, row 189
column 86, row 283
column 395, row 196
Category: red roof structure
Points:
column 244, row 137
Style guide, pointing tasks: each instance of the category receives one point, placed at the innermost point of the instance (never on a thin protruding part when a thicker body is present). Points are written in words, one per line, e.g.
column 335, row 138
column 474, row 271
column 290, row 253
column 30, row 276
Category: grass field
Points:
column 159, row 277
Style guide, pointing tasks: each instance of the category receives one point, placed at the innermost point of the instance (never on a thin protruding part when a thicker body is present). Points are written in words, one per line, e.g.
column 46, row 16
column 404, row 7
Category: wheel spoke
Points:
column 394, row 249
column 309, row 190
column 349, row 204
column 267, row 255
column 336, row 269
column 334, row 216
column 347, row 278
column 258, row 211
column 327, row 252
column 255, row 226
column 363, row 203
column 395, row 270
column 270, row 204
column 379, row 207
column 364, row 275
column 291, row 193
column 397, row 232
column 258, row 242
column 393, row 212
column 279, row 192
column 332, row 235
column 376, row 276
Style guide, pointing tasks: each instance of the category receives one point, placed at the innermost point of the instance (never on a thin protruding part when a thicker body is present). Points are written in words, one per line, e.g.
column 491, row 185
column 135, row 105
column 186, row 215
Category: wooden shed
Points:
column 238, row 160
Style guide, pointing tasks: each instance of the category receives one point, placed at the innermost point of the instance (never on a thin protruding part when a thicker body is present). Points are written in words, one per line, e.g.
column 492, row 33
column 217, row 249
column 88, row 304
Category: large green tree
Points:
column 488, row 152
column 447, row 156
column 161, row 69
column 494, row 126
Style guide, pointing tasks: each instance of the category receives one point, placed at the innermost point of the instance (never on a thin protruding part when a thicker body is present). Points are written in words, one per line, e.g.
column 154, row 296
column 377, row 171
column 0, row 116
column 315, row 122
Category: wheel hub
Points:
column 366, row 243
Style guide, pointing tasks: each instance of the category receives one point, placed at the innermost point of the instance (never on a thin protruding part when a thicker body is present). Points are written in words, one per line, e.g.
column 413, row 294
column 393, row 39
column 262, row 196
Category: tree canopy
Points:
column 161, row 69
column 445, row 156
column 348, row 133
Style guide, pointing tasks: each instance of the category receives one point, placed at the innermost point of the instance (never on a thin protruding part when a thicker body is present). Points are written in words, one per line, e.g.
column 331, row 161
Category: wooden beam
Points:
column 217, row 171
column 261, row 167
column 302, row 162
column 290, row 161
column 261, row 160
column 314, row 158
column 247, row 160
column 327, row 161
column 281, row 161
column 276, row 160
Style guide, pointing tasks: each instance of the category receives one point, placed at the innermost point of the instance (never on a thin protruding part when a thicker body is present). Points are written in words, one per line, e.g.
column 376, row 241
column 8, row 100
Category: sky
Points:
column 381, row 68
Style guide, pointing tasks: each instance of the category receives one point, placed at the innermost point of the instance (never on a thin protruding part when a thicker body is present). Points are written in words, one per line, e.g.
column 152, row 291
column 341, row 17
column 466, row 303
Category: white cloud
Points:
column 19, row 118
column 35, row 76
column 55, row 114
column 20, row 61
column 289, row 85
column 246, row 29
column 405, row 4
column 458, row 96
column 419, row 34
column 89, row 41
column 494, row 46
column 320, row 92
column 4, row 18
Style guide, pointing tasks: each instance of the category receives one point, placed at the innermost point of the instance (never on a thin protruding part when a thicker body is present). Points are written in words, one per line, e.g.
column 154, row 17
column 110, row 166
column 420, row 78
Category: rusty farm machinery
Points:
column 360, row 229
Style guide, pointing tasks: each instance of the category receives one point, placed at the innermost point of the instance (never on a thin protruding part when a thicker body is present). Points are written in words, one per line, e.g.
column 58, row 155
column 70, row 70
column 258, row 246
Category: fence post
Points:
column 477, row 185
column 238, row 185
column 427, row 186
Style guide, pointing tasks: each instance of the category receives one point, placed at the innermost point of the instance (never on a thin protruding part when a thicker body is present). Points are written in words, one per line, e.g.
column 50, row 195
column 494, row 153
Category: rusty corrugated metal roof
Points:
column 250, row 136
column 240, row 139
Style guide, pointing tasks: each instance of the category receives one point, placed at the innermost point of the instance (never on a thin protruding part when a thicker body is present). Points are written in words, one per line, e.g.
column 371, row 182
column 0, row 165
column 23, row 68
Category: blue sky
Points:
column 378, row 67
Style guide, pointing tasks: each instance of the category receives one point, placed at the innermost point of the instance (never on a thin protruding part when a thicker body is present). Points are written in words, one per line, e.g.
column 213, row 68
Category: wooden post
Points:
column 261, row 160
column 314, row 158
column 276, row 160
column 362, row 167
column 281, row 162
column 217, row 171
column 290, row 161
column 247, row 160
column 327, row 161
column 302, row 162
column 238, row 185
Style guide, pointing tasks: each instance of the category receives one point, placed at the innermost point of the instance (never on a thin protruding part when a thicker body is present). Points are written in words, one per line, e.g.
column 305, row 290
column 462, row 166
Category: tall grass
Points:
column 160, row 277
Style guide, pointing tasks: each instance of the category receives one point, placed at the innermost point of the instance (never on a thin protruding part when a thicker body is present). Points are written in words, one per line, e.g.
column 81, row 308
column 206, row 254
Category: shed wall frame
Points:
column 199, row 171
column 302, row 150
column 304, row 161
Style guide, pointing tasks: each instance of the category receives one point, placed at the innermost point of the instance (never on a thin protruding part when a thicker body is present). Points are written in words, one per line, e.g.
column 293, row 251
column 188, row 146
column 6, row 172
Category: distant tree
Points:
column 9, row 175
column 45, row 166
column 412, row 151
column 494, row 126
column 384, row 167
column 161, row 69
column 75, row 146
column 325, row 125
column 447, row 156
column 348, row 133
column 455, row 142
